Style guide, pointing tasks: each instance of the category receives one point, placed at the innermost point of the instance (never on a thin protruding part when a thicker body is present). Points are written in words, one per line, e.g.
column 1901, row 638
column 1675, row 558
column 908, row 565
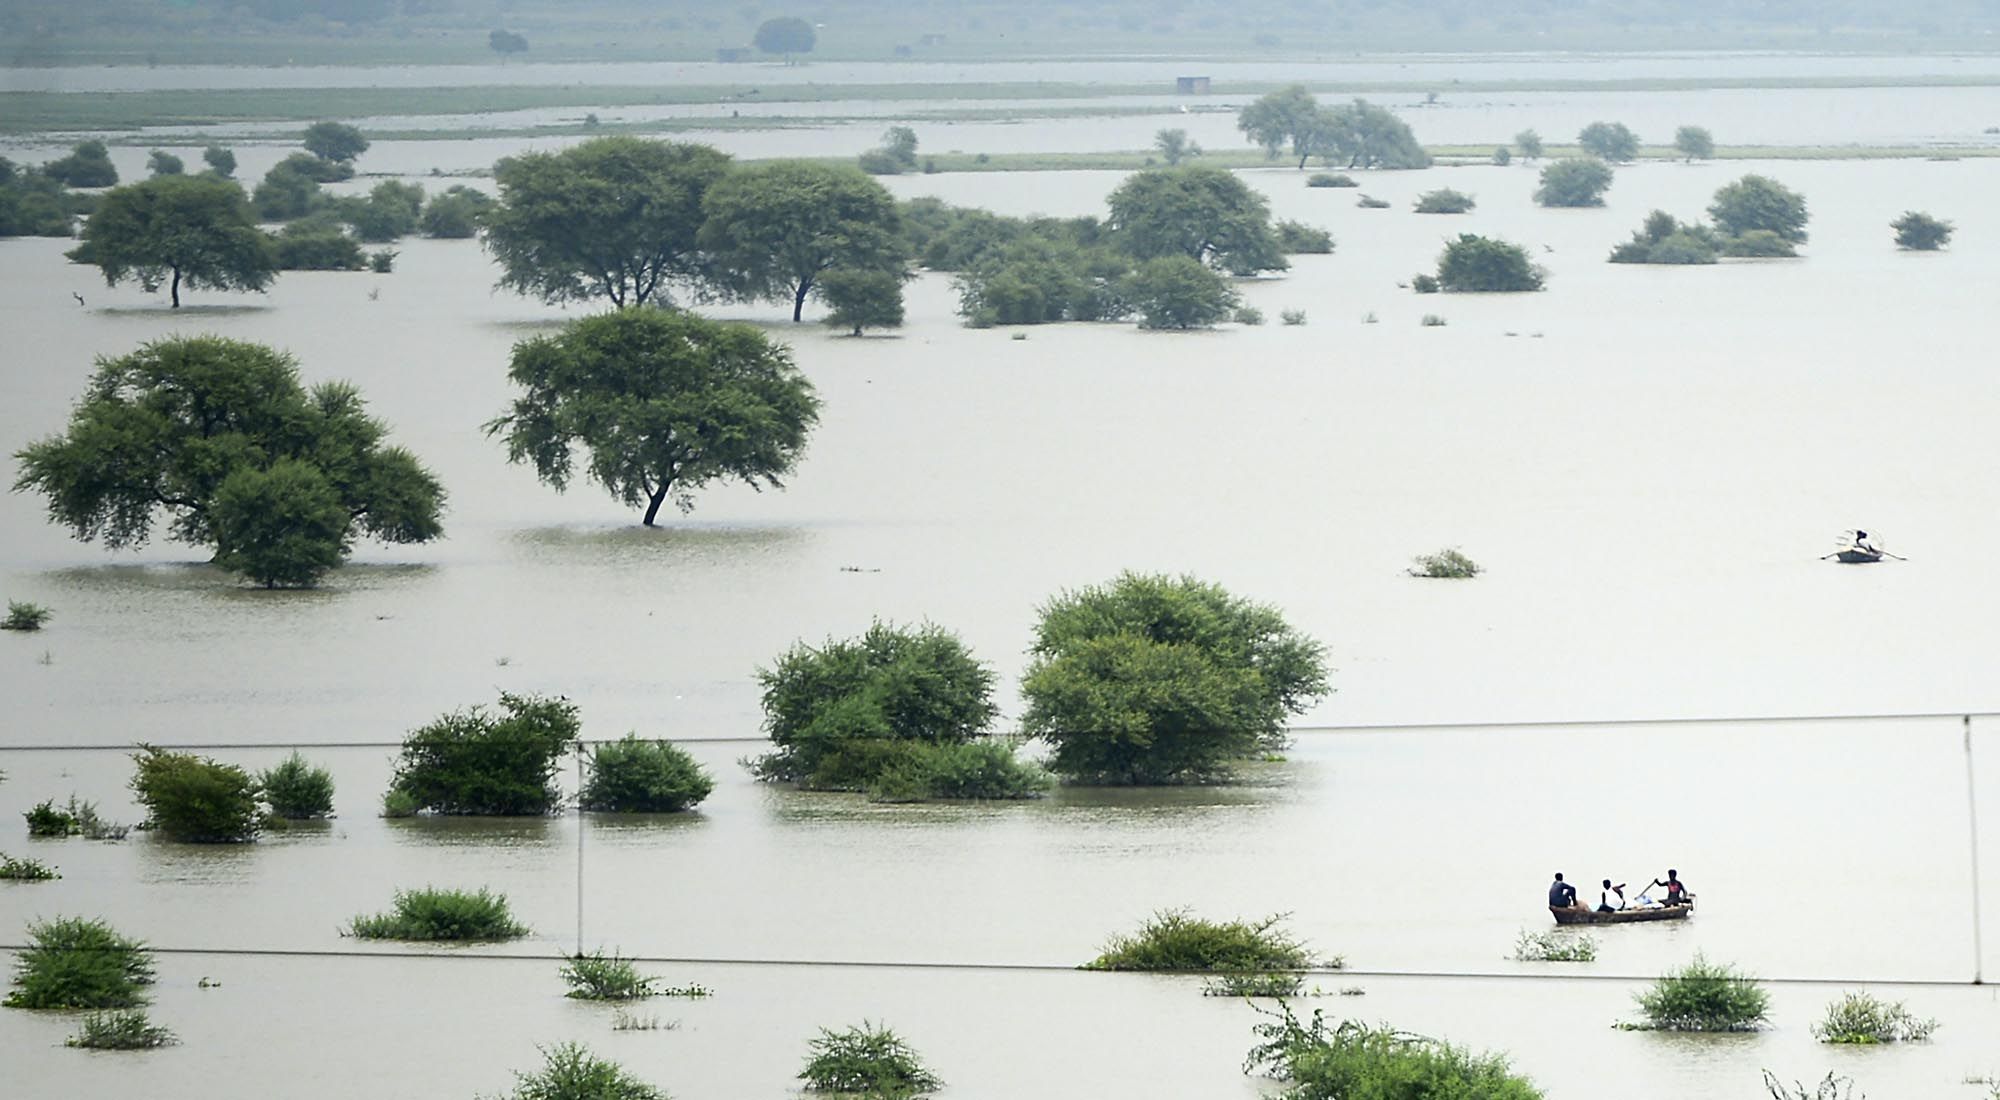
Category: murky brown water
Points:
column 1648, row 461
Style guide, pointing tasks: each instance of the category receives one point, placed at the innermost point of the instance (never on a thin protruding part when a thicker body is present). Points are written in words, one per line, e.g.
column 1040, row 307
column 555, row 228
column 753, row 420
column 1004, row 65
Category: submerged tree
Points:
column 1694, row 143
column 1205, row 214
column 785, row 35
column 1756, row 203
column 862, row 299
column 1484, row 264
column 335, row 141
column 1530, row 144
column 664, row 402
column 175, row 229
column 774, row 228
column 1574, row 181
column 1614, row 141
column 1921, row 232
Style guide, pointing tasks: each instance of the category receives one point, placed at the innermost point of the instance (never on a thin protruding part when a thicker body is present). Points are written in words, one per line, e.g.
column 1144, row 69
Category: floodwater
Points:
column 1647, row 461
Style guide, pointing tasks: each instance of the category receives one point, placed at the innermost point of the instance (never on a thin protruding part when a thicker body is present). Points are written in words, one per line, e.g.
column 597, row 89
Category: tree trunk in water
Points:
column 799, row 300
column 175, row 293
column 653, row 505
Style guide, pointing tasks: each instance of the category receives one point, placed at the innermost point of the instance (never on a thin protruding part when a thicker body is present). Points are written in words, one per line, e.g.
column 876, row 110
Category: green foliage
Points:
column 613, row 218
column 287, row 192
column 283, row 526
column 773, row 228
column 25, row 616
column 1248, row 315
column 382, row 261
column 1353, row 1060
column 833, row 710
column 87, row 165
column 1174, row 146
column 1921, row 232
column 389, row 212
column 1300, row 238
column 897, row 153
column 1829, row 1088
column 1424, row 284
column 1445, row 201
column 474, row 762
column 220, row 160
column 919, row 771
column 35, row 204
column 25, row 869
column 46, row 819
column 315, row 169
column 162, row 163
column 455, row 213
column 196, row 230
column 1612, row 141
column 1292, row 317
column 444, row 916
column 1554, row 945
column 785, row 35
column 1475, row 264
column 398, row 804
column 664, row 402
column 1177, row 292
column 630, row 776
column 334, row 141
column 1694, row 143
column 1331, row 179
column 1041, row 279
column 1359, row 133
column 1503, row 156
column 1447, row 564
column 1370, row 202
column 317, row 244
column 1663, row 240
column 1758, row 203
column 862, row 299
column 1704, row 996
column 504, row 42
column 601, row 977
column 1432, row 320
column 1173, row 941
column 1759, row 244
column 1205, row 214
column 868, row 1060
column 1574, row 181
column 1530, row 144
column 570, row 1072
column 1863, row 1018
column 71, row 962
column 162, row 430
column 1155, row 679
column 127, row 1029
column 297, row 791
column 194, row 799
column 1279, row 985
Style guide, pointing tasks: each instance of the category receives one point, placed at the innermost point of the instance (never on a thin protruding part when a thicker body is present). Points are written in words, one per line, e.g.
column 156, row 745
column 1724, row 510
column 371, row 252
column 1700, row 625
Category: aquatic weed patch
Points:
column 868, row 1060
column 447, row 916
column 1173, row 940
column 73, row 962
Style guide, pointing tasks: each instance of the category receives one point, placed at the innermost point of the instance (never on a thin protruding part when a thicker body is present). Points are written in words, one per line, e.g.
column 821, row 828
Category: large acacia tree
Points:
column 219, row 438
column 614, row 218
column 192, row 230
column 1203, row 213
column 1360, row 133
column 774, row 228
column 664, row 402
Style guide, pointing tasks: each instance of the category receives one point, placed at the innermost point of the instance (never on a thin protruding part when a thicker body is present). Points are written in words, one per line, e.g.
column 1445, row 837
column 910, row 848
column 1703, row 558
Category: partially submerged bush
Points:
column 630, row 776
column 1292, row 317
column 1324, row 1062
column 1445, row 201
column 1172, row 940
column 1177, row 293
column 1862, row 1018
column 1554, row 945
column 869, row 1060
column 1447, row 564
column 1331, row 179
column 429, row 914
column 571, row 1072
column 602, row 977
column 1759, row 244
column 988, row 768
column 1478, row 264
column 1829, row 1088
column 1249, row 315
column 1371, row 203
column 1704, row 996
column 1919, row 232
column 123, row 1030
column 1299, row 238
column 1280, row 984
column 25, row 616
column 475, row 762
column 1666, row 240
column 72, row 962
column 46, row 819
column 25, row 869
column 192, row 798
column 1574, row 181
column 297, row 791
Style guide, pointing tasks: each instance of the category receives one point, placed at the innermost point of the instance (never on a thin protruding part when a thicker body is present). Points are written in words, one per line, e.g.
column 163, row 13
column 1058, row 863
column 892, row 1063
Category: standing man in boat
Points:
column 1561, row 894
column 1612, row 899
column 1676, row 890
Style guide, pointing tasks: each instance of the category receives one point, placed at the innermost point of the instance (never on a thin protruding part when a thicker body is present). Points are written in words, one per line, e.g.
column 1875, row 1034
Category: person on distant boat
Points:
column 1612, row 899
column 1862, row 544
column 1677, row 892
column 1561, row 894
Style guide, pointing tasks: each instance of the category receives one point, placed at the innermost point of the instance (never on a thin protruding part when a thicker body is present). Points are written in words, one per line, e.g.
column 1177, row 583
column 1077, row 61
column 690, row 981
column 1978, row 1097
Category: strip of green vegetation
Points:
column 449, row 916
column 1172, row 940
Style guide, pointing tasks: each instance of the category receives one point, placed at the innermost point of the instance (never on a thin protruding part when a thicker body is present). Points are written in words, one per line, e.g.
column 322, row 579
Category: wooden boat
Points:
column 1851, row 556
column 1580, row 915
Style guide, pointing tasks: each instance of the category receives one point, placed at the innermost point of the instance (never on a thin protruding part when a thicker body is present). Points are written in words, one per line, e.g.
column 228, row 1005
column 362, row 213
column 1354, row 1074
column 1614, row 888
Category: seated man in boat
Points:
column 1862, row 544
column 1612, row 899
column 1561, row 894
column 1676, row 891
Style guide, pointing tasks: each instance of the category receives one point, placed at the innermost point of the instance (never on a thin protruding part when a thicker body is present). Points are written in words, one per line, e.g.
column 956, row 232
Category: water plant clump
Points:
column 1829, row 1088
column 476, row 762
column 1554, row 946
column 297, row 791
column 631, row 776
column 1318, row 1060
column 433, row 915
column 1292, row 316
column 127, row 1029
column 192, row 798
column 1174, row 941
column 1444, row 201
column 1331, row 179
column 601, row 977
column 27, row 617
column 73, row 962
column 1863, row 1018
column 1264, row 984
column 1704, row 996
column 46, row 819
column 570, row 1072
column 25, row 869
column 1446, row 564
column 868, row 1060
column 986, row 769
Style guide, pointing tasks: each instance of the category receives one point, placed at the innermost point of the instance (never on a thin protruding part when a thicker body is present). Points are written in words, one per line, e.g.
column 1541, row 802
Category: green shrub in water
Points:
column 476, row 762
column 630, row 776
column 25, row 870
column 297, row 791
column 25, row 616
column 1704, row 996
column 1319, row 1061
column 983, row 769
column 571, row 1072
column 1447, row 564
column 72, row 962
column 1171, row 940
column 429, row 914
column 1865, row 1018
column 869, row 1060
column 195, row 799
column 602, row 977
column 123, row 1030
column 46, row 819
column 1444, row 201
column 1330, row 179
column 1297, row 238
column 1279, row 984
column 1554, row 946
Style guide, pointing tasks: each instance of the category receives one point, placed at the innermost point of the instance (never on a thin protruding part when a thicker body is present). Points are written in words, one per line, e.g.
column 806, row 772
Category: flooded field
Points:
column 1648, row 461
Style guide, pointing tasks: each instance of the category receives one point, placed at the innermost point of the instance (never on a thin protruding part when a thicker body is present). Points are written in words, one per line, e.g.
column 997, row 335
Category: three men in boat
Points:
column 1611, row 897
